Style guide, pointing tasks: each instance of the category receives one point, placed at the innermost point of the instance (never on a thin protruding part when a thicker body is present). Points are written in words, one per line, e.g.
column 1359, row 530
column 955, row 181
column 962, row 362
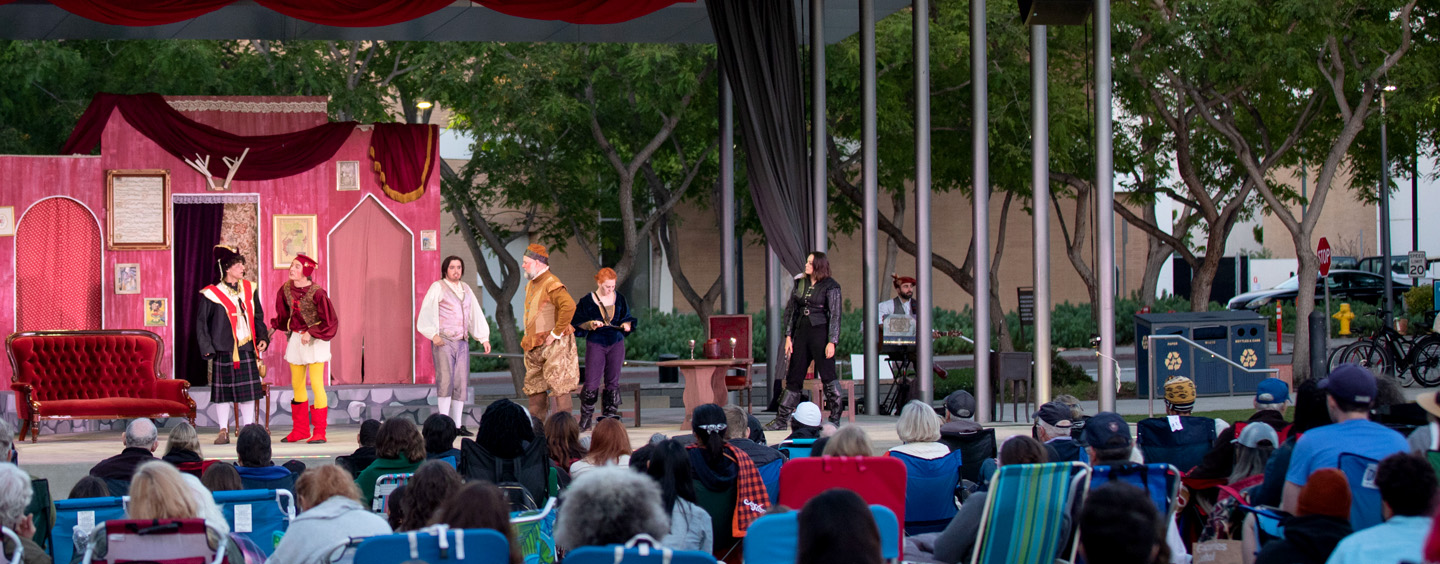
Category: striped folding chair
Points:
column 384, row 485
column 535, row 530
column 1025, row 512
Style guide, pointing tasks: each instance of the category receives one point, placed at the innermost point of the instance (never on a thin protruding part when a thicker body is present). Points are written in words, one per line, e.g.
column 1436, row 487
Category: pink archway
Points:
column 58, row 279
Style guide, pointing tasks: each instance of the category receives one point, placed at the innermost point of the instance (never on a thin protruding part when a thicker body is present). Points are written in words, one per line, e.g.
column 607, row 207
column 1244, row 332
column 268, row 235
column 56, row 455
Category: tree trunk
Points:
column 1304, row 303
column 1156, row 254
column 1005, row 340
column 891, row 249
column 1202, row 280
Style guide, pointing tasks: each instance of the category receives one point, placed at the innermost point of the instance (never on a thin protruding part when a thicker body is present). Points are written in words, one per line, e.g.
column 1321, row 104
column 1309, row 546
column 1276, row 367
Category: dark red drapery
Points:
column 357, row 13
column 270, row 156
column 395, row 150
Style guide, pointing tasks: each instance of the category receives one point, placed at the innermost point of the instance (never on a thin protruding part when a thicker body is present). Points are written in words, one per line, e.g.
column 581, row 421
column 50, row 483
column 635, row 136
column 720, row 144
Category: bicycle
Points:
column 1408, row 359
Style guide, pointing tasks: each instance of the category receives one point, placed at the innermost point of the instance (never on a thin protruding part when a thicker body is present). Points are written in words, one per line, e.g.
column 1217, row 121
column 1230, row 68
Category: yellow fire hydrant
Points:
column 1344, row 315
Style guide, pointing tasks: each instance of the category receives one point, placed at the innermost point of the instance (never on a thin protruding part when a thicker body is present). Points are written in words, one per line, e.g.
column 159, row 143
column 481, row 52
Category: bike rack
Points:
column 1150, row 342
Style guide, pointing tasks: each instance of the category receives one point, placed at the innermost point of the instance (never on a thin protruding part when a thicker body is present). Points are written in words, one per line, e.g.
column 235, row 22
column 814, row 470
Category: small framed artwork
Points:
column 137, row 207
column 7, row 221
column 291, row 235
column 347, row 176
column 427, row 240
column 157, row 312
column 127, row 278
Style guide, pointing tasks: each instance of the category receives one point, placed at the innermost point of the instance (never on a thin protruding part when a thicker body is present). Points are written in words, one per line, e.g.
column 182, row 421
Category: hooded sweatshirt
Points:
column 315, row 535
column 1308, row 539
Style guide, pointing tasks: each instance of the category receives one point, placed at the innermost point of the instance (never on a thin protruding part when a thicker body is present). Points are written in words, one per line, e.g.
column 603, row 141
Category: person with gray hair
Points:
column 919, row 431
column 7, row 443
column 140, row 443
column 610, row 505
column 15, row 494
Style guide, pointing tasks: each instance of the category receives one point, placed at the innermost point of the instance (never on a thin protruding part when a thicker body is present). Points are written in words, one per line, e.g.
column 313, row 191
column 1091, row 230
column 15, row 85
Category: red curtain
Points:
column 270, row 156
column 357, row 13
column 58, row 278
column 395, row 150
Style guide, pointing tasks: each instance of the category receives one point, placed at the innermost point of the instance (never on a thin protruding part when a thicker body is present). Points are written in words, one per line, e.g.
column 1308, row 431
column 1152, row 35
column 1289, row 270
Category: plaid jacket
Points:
column 751, row 498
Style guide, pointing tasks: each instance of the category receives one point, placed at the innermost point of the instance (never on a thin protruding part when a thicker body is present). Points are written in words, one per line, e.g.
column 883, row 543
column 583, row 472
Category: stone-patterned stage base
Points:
column 347, row 405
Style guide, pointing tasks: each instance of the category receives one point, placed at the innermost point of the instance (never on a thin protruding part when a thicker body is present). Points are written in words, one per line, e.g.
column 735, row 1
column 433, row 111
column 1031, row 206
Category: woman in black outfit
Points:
column 812, row 329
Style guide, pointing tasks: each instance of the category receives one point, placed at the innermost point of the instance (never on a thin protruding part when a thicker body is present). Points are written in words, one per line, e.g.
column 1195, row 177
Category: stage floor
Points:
column 65, row 458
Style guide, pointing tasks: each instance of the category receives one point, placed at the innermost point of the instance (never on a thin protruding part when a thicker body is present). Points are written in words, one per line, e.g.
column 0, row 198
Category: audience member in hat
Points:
column 1272, row 397
column 1052, row 427
column 1427, row 438
column 1407, row 494
column 1077, row 415
column 141, row 439
column 957, row 541
column 738, row 435
column 1349, row 389
column 359, row 460
column 919, row 432
column 1120, row 525
column 1252, row 449
column 1108, row 443
column 837, row 526
column 330, row 515
column 959, row 417
column 1322, row 519
column 1310, row 412
column 1179, row 427
column 805, row 423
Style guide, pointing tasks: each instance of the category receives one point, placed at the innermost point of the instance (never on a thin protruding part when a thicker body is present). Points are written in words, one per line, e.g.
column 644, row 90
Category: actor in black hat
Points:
column 230, row 329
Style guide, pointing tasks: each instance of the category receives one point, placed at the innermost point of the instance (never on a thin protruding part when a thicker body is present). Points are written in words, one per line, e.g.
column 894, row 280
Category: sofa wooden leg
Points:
column 34, row 425
column 24, row 428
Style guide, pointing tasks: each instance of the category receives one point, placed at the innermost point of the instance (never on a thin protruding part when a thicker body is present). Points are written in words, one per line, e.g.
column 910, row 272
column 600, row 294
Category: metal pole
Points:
column 980, row 134
column 1105, row 204
column 1384, row 194
column 774, row 332
column 818, row 137
column 729, row 302
column 1040, row 187
column 869, row 167
column 1415, row 200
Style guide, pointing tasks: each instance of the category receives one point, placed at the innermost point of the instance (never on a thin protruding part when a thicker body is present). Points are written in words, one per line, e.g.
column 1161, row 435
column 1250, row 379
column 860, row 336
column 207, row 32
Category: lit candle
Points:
column 732, row 347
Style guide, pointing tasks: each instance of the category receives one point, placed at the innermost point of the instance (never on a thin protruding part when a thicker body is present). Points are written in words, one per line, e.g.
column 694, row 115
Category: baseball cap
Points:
column 1350, row 382
column 1107, row 429
column 1253, row 433
column 960, row 404
column 1054, row 414
column 1272, row 390
column 807, row 413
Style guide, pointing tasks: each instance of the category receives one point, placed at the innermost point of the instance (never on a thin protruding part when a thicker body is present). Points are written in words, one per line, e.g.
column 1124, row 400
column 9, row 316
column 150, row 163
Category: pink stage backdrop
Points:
column 57, row 266
column 26, row 180
column 282, row 114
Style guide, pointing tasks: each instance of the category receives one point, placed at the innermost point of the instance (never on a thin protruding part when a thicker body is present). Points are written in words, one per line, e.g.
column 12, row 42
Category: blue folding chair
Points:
column 775, row 537
column 795, row 448
column 87, row 511
column 436, row 545
column 1183, row 449
column 535, row 530
column 770, row 474
column 1161, row 481
column 1365, row 508
column 930, row 491
column 642, row 550
column 262, row 516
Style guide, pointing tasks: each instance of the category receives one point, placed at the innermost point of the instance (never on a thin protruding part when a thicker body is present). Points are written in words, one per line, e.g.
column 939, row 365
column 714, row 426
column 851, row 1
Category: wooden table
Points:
column 704, row 381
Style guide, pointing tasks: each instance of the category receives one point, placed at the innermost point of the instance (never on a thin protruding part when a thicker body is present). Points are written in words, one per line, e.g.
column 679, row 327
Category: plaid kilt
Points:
column 230, row 384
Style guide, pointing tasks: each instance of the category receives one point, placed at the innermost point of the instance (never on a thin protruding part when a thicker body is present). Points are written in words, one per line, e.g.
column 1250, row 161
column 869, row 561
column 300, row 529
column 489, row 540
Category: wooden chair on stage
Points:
column 723, row 328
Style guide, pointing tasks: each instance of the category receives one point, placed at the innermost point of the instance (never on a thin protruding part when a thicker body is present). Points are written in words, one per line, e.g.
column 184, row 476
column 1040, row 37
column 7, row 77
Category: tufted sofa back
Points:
column 64, row 365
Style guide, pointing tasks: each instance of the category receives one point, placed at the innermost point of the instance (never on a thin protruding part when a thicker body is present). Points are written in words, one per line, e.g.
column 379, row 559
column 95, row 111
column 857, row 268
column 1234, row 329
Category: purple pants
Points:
column 603, row 362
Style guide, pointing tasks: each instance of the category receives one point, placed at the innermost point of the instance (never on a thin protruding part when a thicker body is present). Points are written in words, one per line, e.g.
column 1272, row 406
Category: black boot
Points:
column 587, row 408
column 610, row 403
column 832, row 402
column 788, row 401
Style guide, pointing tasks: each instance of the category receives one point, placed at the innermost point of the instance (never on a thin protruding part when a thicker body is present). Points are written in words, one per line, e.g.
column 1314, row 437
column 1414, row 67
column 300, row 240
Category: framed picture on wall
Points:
column 157, row 312
column 127, row 278
column 292, row 235
column 427, row 240
column 137, row 208
column 7, row 221
column 347, row 176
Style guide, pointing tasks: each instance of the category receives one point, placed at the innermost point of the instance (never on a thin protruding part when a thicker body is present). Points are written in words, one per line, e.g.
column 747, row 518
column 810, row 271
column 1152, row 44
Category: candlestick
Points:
column 692, row 349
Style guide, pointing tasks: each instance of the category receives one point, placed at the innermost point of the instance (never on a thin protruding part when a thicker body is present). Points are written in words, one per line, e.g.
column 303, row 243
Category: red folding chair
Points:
column 158, row 541
column 880, row 480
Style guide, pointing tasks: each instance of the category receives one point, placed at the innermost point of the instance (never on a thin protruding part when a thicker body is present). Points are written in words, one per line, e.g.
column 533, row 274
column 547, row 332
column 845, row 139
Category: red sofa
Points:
column 112, row 374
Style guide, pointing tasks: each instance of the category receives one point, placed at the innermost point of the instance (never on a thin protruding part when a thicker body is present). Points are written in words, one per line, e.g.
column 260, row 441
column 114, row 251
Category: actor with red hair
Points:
column 304, row 312
column 603, row 318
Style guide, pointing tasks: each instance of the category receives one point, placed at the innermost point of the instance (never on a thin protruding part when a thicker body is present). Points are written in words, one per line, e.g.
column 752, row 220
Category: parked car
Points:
column 1345, row 285
column 1399, row 266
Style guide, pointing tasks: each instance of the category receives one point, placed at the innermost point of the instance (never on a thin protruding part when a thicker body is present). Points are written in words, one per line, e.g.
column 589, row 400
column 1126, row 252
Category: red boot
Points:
column 319, row 419
column 300, row 415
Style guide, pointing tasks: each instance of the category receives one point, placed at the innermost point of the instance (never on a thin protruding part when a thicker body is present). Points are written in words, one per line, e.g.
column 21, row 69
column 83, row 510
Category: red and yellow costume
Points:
column 308, row 311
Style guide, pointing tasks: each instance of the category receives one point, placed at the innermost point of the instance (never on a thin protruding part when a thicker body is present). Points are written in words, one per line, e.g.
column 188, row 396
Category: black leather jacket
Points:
column 820, row 306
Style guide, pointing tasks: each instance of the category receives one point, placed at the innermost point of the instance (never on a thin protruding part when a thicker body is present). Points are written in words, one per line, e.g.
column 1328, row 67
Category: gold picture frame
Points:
column 291, row 235
column 127, row 278
column 347, row 176
column 156, row 312
column 137, row 209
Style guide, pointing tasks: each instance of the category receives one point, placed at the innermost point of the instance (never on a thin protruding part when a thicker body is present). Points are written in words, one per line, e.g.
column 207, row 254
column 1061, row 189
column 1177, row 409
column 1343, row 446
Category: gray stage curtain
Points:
column 760, row 50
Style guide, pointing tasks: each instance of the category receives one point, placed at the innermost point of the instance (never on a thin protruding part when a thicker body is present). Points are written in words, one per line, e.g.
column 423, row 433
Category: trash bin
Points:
column 1239, row 336
column 669, row 374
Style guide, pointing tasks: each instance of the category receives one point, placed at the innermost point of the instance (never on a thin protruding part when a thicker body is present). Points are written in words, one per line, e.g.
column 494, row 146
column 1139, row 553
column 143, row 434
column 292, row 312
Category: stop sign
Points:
column 1323, row 251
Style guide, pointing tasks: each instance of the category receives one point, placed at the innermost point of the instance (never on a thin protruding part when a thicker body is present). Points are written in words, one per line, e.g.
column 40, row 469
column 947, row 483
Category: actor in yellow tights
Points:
column 304, row 312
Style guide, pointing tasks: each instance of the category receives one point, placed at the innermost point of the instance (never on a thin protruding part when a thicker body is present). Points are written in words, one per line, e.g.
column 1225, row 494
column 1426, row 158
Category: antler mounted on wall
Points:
column 202, row 165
